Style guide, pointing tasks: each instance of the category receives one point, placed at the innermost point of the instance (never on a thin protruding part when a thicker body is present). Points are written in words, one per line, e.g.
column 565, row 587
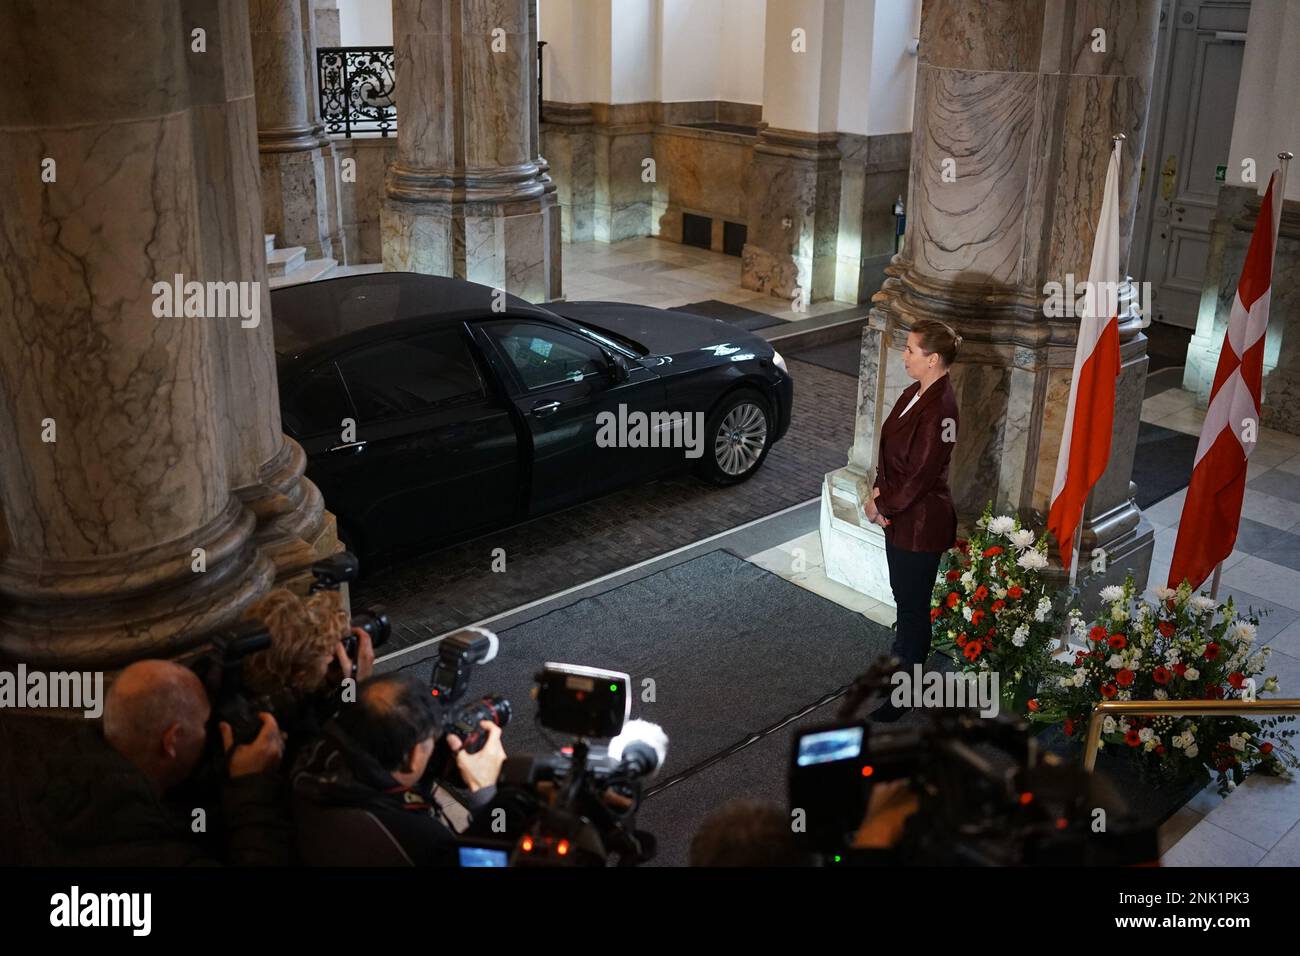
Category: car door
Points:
column 434, row 453
column 564, row 387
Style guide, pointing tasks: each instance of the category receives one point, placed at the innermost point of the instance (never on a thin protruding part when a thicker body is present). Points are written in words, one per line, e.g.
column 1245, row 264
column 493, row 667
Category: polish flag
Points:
column 1085, row 443
column 1207, row 530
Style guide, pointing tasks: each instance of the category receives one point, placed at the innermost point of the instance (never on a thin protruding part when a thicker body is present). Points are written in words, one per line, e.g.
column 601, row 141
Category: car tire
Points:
column 737, row 436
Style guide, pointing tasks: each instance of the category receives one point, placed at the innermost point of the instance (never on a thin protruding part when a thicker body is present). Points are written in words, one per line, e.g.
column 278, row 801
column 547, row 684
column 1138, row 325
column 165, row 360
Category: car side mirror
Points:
column 619, row 368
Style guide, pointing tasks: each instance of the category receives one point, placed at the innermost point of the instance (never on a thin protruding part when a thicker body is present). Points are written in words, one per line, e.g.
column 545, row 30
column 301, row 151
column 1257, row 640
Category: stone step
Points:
column 270, row 243
column 312, row 270
column 280, row 262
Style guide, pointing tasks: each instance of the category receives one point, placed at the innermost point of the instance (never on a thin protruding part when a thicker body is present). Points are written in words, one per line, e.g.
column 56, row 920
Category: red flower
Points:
column 1160, row 748
column 1214, row 692
column 976, row 616
column 962, row 639
column 1132, row 739
column 1169, row 605
column 953, row 575
column 1180, row 668
column 1211, row 652
column 1033, row 704
column 1237, row 679
column 1108, row 690
column 1266, row 748
column 963, row 545
column 981, row 593
column 972, row 650
column 1124, row 677
column 1166, row 628
column 953, row 598
column 1118, row 641
column 991, row 552
column 934, row 614
column 1069, row 727
column 1160, row 674
column 1097, row 634
column 997, row 606
column 1015, row 591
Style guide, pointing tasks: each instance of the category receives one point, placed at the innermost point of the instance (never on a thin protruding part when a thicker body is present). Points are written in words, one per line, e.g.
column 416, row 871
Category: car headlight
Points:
column 779, row 362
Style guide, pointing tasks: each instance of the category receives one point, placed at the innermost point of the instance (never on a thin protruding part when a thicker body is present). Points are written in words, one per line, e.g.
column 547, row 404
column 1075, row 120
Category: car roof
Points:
column 314, row 313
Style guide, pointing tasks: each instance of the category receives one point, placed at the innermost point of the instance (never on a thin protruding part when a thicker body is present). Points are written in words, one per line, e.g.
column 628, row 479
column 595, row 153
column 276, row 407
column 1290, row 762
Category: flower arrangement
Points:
column 991, row 609
column 1183, row 646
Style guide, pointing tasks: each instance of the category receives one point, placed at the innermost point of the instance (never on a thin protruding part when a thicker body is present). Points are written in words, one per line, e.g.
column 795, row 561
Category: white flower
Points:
column 1022, row 539
column 1021, row 635
column 1043, row 609
column 999, row 592
column 1123, row 726
column 1111, row 592
column 1124, row 695
column 968, row 580
column 1199, row 602
column 1002, row 525
column 1080, row 677
column 1145, row 734
column 1192, row 750
column 1179, row 742
column 1237, row 742
column 1115, row 662
column 1032, row 560
column 1256, row 663
column 1243, row 631
column 1064, row 681
column 1118, row 613
column 966, row 611
column 1161, row 694
column 1192, row 674
column 1270, row 685
column 1143, row 612
column 1108, row 724
column 1165, row 594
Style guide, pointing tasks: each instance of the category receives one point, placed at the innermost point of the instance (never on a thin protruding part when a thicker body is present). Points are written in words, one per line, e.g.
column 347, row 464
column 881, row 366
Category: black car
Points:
column 433, row 409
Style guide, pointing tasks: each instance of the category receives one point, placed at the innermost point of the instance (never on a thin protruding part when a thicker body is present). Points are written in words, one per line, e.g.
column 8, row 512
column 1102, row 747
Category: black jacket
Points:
column 349, row 811
column 99, row 810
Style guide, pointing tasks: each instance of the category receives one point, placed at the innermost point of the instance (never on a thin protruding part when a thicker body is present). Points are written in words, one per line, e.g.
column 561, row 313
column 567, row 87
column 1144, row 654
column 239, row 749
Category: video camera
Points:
column 577, row 806
column 222, row 670
column 985, row 795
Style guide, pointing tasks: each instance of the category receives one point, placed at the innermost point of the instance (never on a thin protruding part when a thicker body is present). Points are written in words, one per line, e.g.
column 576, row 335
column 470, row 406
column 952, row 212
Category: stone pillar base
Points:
column 507, row 247
column 853, row 549
column 296, row 201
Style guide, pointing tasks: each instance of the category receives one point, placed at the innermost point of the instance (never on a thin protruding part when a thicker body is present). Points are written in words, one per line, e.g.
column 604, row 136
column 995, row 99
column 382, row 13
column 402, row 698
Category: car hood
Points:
column 666, row 331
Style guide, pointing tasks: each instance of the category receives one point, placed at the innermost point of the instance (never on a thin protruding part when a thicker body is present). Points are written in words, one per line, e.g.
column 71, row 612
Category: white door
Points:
column 1188, row 137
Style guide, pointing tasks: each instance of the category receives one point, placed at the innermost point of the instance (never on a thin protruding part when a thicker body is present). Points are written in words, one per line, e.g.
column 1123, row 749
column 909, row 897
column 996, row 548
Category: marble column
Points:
column 299, row 190
column 469, row 195
column 1012, row 131
column 115, row 467
column 265, row 467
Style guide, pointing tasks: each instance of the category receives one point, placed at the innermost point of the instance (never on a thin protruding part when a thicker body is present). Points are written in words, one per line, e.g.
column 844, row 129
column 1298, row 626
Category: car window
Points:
column 318, row 405
column 545, row 356
column 410, row 375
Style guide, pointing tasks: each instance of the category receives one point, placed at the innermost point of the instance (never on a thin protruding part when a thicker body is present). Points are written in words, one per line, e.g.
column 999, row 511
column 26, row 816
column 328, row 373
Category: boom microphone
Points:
column 641, row 748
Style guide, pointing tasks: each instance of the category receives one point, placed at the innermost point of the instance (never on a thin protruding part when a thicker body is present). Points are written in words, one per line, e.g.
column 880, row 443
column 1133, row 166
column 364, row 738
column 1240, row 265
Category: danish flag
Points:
column 1090, row 414
column 1207, row 530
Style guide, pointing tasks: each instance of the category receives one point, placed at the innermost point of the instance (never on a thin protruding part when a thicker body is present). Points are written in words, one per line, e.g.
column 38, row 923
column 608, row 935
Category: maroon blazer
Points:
column 912, row 469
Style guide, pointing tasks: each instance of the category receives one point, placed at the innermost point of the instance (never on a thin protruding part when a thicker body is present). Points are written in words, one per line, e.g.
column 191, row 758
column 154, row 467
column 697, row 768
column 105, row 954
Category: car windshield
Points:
column 611, row 340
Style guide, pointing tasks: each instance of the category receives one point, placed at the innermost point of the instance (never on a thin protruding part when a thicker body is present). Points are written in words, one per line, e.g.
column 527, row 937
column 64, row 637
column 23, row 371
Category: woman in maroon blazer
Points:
column 911, row 500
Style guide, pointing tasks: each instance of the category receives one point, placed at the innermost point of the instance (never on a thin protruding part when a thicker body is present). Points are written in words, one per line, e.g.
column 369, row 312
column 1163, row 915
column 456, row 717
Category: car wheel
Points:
column 737, row 435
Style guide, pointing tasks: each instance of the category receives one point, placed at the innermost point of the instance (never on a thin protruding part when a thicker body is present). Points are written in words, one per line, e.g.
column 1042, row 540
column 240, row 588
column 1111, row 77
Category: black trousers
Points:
column 911, row 576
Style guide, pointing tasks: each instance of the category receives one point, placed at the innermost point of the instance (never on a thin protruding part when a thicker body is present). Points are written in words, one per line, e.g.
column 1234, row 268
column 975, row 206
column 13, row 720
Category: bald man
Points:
column 108, row 803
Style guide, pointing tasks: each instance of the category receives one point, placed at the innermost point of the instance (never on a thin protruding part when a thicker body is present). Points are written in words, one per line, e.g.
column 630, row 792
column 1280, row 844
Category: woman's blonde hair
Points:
column 302, row 632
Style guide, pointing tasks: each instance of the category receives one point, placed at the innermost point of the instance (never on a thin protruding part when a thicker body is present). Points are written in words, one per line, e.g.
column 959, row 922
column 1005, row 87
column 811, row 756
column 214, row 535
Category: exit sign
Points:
column 1220, row 174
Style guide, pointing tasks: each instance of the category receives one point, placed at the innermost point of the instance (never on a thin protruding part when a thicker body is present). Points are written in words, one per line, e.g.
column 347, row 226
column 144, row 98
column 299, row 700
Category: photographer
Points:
column 361, row 797
column 299, row 677
column 106, row 801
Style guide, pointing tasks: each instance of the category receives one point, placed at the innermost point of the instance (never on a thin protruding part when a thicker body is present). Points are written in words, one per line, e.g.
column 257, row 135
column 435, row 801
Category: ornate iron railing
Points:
column 357, row 89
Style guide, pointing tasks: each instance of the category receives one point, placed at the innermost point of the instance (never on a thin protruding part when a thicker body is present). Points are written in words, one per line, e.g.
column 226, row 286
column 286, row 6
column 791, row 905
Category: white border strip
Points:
column 604, row 577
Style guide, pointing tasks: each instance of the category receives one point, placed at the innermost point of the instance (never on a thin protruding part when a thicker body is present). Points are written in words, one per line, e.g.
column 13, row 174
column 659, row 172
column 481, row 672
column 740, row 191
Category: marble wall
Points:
column 360, row 200
column 1011, row 137
column 1234, row 222
column 146, row 495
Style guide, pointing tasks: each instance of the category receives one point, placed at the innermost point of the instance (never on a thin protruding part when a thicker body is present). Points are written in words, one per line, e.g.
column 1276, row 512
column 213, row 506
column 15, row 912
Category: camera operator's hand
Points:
column 261, row 756
column 365, row 661
column 887, row 812
column 481, row 769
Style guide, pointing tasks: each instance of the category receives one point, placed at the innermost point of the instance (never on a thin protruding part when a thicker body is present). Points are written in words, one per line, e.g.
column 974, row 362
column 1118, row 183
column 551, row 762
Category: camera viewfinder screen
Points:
column 843, row 743
column 483, row 856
